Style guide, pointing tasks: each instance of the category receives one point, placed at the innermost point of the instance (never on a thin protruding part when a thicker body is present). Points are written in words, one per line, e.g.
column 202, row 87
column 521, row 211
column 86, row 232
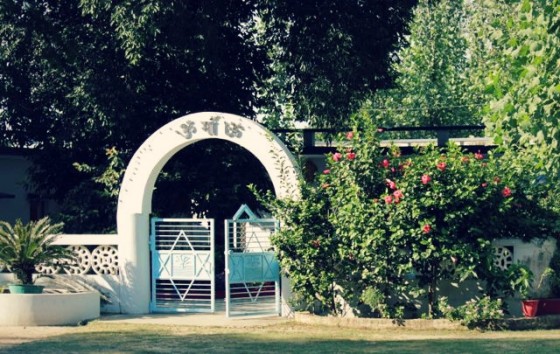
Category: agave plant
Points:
column 25, row 246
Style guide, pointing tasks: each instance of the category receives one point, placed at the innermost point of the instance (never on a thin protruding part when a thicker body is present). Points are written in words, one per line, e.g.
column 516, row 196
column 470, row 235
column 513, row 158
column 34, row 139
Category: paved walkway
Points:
column 217, row 319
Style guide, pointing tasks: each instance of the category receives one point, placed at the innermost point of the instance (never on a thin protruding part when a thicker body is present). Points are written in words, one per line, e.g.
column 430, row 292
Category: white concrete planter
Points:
column 48, row 309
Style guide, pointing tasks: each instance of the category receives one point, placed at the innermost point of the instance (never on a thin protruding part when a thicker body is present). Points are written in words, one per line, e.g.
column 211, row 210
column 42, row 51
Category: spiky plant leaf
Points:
column 25, row 246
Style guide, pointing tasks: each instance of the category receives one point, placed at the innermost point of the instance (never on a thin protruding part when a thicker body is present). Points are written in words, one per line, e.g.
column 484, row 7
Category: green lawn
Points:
column 283, row 338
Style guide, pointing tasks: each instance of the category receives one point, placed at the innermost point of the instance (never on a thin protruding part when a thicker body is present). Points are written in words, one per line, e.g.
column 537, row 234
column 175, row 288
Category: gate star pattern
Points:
column 182, row 265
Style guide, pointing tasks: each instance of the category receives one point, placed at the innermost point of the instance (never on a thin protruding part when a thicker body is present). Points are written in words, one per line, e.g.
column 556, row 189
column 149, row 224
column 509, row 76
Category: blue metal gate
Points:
column 182, row 265
column 252, row 270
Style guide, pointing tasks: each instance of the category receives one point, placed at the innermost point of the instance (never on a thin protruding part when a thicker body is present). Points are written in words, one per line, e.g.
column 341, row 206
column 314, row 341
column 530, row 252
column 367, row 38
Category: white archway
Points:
column 135, row 197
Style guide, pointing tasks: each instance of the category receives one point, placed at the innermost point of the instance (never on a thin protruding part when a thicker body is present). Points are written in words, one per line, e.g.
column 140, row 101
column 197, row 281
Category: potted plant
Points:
column 544, row 299
column 24, row 247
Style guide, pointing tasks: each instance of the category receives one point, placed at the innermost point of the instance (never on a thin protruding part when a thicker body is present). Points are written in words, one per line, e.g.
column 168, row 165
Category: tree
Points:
column 307, row 248
column 524, row 113
column 83, row 77
column 326, row 57
column 76, row 81
column 69, row 76
column 432, row 82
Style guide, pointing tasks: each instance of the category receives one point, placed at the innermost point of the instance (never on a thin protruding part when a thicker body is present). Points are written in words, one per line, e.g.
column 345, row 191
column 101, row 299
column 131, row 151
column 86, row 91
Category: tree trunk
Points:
column 432, row 292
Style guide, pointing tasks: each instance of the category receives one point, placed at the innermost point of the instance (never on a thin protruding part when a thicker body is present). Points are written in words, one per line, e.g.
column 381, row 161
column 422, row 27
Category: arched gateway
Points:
column 135, row 197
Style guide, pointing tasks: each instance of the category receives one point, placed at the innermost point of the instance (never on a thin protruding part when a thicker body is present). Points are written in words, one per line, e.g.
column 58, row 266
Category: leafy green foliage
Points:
column 397, row 226
column 522, row 78
column 82, row 77
column 99, row 191
column 78, row 80
column 432, row 81
column 517, row 279
column 554, row 277
column 483, row 313
column 326, row 56
column 23, row 247
column 134, row 23
column 307, row 246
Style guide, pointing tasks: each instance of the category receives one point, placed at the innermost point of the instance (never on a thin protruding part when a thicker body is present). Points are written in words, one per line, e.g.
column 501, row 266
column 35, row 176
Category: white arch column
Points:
column 135, row 197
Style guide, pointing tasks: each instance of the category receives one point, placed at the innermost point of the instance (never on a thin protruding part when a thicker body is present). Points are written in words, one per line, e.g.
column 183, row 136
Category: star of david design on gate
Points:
column 201, row 262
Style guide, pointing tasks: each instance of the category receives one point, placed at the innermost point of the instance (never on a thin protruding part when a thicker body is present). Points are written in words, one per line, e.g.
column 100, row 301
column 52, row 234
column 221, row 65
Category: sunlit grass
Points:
column 284, row 338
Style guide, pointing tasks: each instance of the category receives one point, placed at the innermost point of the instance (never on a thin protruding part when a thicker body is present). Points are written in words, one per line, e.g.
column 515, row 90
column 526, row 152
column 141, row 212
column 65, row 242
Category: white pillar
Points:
column 134, row 264
column 286, row 286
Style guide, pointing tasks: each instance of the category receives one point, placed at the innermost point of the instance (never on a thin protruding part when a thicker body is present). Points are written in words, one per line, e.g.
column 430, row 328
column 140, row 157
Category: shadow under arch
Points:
column 209, row 179
column 135, row 197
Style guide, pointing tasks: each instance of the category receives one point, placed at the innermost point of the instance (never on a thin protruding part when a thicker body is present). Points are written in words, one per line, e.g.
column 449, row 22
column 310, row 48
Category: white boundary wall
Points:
column 536, row 255
column 48, row 309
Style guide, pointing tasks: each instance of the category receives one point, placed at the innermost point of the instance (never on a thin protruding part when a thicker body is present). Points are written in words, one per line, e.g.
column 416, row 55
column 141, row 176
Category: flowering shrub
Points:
column 376, row 222
column 450, row 210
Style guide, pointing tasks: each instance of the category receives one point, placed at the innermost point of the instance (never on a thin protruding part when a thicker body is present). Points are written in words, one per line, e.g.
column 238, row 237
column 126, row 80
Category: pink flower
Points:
column 388, row 199
column 391, row 184
column 426, row 229
column 350, row 135
column 478, row 156
column 326, row 172
column 398, row 196
column 351, row 156
column 337, row 156
column 506, row 192
column 426, row 179
column 385, row 163
column 484, row 185
column 441, row 166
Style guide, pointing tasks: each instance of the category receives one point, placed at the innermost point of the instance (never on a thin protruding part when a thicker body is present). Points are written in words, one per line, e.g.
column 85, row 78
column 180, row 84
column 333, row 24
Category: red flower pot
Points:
column 530, row 307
